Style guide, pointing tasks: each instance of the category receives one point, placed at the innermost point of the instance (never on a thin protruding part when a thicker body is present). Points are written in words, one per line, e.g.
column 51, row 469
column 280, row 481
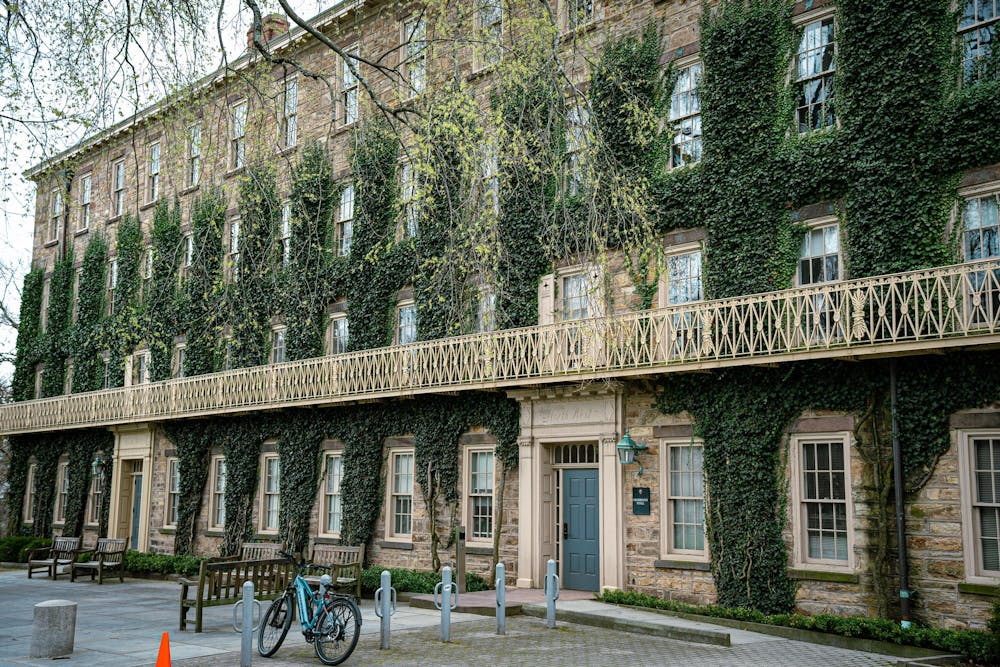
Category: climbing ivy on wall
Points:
column 17, row 479
column 162, row 296
column 299, row 442
column 252, row 292
column 201, row 304
column 23, row 382
column 192, row 442
column 124, row 328
column 55, row 342
column 82, row 447
column 315, row 197
column 87, row 340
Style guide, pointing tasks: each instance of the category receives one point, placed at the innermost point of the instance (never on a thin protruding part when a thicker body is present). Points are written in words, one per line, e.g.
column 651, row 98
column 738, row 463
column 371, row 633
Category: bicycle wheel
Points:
column 337, row 631
column 274, row 626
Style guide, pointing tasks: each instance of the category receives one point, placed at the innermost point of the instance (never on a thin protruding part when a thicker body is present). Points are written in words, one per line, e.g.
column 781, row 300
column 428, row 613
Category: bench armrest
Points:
column 39, row 550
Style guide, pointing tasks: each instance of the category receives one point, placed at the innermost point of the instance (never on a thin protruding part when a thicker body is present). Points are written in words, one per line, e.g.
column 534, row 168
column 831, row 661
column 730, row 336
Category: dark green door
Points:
column 580, row 530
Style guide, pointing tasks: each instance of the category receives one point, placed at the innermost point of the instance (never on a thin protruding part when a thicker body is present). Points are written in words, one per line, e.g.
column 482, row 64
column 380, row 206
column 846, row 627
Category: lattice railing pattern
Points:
column 907, row 311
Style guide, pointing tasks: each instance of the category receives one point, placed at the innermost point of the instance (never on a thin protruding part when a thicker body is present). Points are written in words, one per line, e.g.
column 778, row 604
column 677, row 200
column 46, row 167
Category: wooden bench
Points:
column 259, row 550
column 63, row 552
column 108, row 555
column 220, row 582
column 345, row 566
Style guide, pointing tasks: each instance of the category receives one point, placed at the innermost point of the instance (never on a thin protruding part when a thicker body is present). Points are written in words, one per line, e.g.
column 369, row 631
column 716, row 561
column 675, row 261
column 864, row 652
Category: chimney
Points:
column 272, row 26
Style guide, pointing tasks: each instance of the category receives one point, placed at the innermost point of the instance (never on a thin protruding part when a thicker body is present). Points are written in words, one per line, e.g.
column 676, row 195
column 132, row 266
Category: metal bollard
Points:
column 501, row 600
column 385, row 606
column 551, row 593
column 248, row 605
column 447, row 601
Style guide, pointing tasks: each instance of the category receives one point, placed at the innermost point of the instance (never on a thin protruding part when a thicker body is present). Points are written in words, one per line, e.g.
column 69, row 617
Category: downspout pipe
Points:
column 897, row 473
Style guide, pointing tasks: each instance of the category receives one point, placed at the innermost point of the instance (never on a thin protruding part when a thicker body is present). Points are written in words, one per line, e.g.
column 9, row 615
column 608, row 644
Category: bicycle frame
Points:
column 308, row 603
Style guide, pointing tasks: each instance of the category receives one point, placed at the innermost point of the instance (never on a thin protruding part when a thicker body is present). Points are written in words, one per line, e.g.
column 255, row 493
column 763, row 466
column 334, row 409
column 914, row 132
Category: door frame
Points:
column 132, row 443
column 558, row 471
column 569, row 415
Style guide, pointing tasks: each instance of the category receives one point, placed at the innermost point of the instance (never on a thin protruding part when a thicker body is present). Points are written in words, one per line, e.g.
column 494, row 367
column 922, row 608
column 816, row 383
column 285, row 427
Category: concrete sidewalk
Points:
column 120, row 625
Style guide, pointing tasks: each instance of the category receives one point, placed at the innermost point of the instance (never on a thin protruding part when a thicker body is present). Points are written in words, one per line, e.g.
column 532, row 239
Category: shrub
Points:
column 412, row 581
column 15, row 549
column 977, row 645
column 139, row 562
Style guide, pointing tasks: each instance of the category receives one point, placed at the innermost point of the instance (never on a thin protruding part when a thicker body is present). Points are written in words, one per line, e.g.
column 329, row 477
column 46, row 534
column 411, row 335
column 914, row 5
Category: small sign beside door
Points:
column 640, row 500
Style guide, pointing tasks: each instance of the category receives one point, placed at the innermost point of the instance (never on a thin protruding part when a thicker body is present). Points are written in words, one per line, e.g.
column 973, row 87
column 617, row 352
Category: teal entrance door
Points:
column 580, row 530
column 136, row 509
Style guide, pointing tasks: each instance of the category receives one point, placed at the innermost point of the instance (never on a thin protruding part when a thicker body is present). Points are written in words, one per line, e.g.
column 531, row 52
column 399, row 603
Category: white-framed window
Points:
column 575, row 297
column 345, row 220
column 819, row 257
column 577, row 124
column 478, row 468
column 399, row 522
column 62, row 487
column 113, row 275
column 978, row 30
column 173, row 492
column 239, row 134
column 154, row 171
column 106, row 359
column 188, row 250
column 217, row 507
column 979, row 463
column 491, row 178
column 234, row 242
column 685, row 115
column 682, row 281
column 55, row 214
column 578, row 13
column 179, row 366
column 194, row 155
column 415, row 55
column 815, row 64
column 94, row 498
column 141, row 366
column 286, row 233
column 271, row 496
column 43, row 314
column 118, row 186
column 75, row 314
column 85, row 187
column 822, row 512
column 981, row 240
column 30, row 494
column 349, row 88
column 39, row 374
column 682, row 487
column 410, row 204
column 486, row 310
column 406, row 323
column 147, row 262
column 68, row 382
column 338, row 334
column 278, row 344
column 489, row 18
column 290, row 112
column 331, row 512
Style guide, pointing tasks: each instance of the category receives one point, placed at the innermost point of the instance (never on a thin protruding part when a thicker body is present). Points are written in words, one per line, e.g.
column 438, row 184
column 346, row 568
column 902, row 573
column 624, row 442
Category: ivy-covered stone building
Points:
column 436, row 284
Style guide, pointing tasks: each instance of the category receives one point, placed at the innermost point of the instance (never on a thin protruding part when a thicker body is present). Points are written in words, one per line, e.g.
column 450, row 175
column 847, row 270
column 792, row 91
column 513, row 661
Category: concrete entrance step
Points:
column 484, row 603
column 602, row 615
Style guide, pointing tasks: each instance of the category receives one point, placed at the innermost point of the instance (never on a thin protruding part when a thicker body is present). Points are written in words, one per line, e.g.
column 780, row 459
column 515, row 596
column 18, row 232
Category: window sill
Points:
column 168, row 530
column 215, row 532
column 482, row 71
column 990, row 590
column 189, row 190
column 580, row 30
column 344, row 127
column 701, row 566
column 113, row 219
column 288, row 150
column 148, row 205
column 238, row 171
column 327, row 539
column 81, row 232
column 49, row 244
column 823, row 575
column 401, row 546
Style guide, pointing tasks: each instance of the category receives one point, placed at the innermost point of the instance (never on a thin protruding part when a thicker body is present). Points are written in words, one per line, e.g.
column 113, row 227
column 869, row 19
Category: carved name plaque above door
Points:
column 575, row 412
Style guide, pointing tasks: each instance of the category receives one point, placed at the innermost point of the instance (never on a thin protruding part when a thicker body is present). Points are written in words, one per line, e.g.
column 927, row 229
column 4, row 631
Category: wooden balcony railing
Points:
column 907, row 312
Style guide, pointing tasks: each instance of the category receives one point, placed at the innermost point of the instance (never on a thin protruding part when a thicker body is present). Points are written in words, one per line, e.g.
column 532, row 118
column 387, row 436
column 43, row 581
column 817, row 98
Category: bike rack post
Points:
column 551, row 593
column 246, row 629
column 447, row 601
column 385, row 607
column 501, row 600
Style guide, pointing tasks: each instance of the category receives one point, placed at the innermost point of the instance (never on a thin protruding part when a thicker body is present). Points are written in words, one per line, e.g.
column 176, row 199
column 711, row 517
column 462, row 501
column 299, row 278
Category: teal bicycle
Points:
column 331, row 623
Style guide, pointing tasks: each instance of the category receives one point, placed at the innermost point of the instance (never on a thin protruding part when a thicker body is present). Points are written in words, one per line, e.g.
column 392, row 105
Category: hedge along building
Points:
column 731, row 264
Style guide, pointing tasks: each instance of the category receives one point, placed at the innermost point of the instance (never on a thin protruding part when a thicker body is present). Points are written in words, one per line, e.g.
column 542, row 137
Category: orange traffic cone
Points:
column 163, row 657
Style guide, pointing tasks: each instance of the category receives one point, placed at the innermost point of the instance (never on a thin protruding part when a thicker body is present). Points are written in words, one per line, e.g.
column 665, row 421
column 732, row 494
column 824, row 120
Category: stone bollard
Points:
column 54, row 629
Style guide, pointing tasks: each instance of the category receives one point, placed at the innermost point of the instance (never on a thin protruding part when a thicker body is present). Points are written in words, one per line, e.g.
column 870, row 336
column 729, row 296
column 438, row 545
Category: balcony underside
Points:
column 910, row 313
